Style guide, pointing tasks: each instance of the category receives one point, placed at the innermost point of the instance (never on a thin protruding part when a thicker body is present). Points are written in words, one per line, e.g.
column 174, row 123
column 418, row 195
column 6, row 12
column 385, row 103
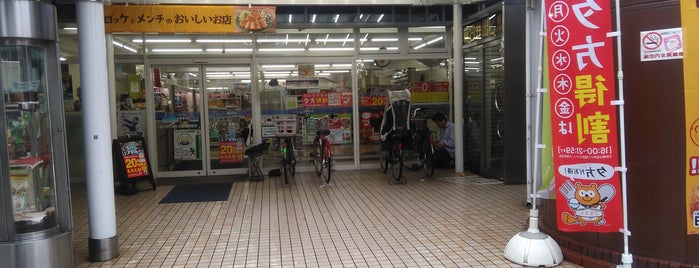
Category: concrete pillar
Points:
column 458, row 58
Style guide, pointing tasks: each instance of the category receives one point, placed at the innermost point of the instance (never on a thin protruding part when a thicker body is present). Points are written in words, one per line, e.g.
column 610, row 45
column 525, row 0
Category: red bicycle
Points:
column 322, row 150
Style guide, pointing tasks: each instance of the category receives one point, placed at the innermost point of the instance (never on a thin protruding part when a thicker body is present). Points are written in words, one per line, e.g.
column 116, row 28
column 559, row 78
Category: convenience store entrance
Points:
column 199, row 116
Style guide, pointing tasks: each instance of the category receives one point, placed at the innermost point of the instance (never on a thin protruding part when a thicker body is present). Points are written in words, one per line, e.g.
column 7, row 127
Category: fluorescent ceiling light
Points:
column 380, row 18
column 429, row 42
column 124, row 46
column 247, row 81
column 214, row 50
column 342, row 65
column 313, row 18
column 335, row 71
column 241, row 73
column 223, row 40
column 323, row 74
column 337, row 16
column 276, row 72
column 162, row 40
column 492, row 16
column 322, row 65
column 415, row 39
column 496, row 59
column 377, row 48
column 472, row 68
column 279, row 40
column 336, row 40
column 218, row 75
column 216, row 88
column 176, row 50
column 290, row 18
column 472, row 62
column 384, row 40
column 238, row 49
column 279, row 66
column 330, row 48
column 62, row 59
column 70, row 28
column 281, row 49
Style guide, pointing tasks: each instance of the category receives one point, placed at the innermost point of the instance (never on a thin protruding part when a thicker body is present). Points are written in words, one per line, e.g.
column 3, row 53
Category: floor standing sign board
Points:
column 131, row 164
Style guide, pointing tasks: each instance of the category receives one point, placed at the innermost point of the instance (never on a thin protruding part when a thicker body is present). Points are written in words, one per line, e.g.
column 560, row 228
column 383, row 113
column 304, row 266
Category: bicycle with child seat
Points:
column 322, row 150
column 422, row 144
column 395, row 134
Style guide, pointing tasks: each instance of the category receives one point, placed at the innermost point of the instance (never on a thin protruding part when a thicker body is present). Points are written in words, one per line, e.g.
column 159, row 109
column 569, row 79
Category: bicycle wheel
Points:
column 327, row 169
column 317, row 157
column 397, row 162
column 285, row 165
column 383, row 158
column 428, row 160
column 291, row 157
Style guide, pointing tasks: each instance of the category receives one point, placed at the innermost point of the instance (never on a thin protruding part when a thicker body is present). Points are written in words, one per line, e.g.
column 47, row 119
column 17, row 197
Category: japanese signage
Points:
column 690, row 24
column 584, row 131
column 663, row 44
column 189, row 19
column 231, row 152
column 134, row 158
column 323, row 99
column 187, row 144
column 372, row 101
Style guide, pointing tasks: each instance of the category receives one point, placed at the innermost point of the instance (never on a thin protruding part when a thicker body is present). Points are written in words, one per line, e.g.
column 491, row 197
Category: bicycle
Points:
column 322, row 150
column 422, row 144
column 286, row 132
column 395, row 132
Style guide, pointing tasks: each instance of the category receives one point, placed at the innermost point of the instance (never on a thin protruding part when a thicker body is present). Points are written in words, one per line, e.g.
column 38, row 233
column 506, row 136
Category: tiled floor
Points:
column 359, row 221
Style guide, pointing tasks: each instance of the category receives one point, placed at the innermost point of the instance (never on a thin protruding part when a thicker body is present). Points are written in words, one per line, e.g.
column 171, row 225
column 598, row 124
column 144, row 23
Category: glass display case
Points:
column 35, row 215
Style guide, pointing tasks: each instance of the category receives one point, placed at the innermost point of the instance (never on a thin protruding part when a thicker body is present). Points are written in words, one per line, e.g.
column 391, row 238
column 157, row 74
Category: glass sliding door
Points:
column 177, row 101
column 228, row 116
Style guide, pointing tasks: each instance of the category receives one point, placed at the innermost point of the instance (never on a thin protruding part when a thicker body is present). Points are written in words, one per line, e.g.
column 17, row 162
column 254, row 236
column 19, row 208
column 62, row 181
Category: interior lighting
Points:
column 337, row 40
column 384, row 40
column 313, row 18
column 285, row 40
column 322, row 65
column 335, row 71
column 429, row 42
column 192, row 74
column 70, row 28
column 62, row 59
column 414, row 38
column 162, row 40
column 277, row 66
column 176, row 50
column 281, row 49
column 337, row 16
column 241, row 73
column 124, row 46
column 472, row 62
column 290, row 18
column 342, row 65
column 346, row 38
column 380, row 18
column 219, row 50
column 330, row 48
column 223, row 40
column 492, row 16
column 366, row 36
column 238, row 49
column 497, row 59
column 377, row 48
column 219, row 75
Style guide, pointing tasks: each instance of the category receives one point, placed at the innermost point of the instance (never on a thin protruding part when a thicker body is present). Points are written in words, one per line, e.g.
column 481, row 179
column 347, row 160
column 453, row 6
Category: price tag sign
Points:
column 230, row 152
column 134, row 158
column 372, row 101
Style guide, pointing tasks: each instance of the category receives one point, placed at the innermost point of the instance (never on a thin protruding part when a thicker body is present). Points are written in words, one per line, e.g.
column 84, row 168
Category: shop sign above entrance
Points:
column 189, row 19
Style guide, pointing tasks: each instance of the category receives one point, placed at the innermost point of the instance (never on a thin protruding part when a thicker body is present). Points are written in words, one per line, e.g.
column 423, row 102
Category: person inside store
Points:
column 444, row 149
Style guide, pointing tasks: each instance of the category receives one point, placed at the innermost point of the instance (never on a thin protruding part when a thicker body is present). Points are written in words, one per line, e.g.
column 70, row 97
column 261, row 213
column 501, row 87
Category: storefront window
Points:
column 429, row 86
column 294, row 97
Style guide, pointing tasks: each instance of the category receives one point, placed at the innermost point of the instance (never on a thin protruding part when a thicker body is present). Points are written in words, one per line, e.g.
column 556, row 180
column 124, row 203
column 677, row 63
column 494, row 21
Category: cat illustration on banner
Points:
column 587, row 202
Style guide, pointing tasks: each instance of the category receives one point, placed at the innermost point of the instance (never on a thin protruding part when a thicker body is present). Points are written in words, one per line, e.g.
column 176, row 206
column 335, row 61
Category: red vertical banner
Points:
column 584, row 123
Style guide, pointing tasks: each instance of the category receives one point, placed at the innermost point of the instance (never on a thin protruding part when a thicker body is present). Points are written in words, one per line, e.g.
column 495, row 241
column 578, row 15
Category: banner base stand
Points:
column 532, row 247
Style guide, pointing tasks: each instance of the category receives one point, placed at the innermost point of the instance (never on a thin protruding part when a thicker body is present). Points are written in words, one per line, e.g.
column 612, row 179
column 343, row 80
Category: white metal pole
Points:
column 530, row 94
column 458, row 88
column 97, row 131
column 626, row 257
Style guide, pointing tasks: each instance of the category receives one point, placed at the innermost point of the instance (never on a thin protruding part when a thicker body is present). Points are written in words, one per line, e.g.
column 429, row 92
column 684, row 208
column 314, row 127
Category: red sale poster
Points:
column 584, row 132
column 230, row 152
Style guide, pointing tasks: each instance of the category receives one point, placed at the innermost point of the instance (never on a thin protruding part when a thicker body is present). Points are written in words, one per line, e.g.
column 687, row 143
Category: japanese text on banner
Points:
column 584, row 138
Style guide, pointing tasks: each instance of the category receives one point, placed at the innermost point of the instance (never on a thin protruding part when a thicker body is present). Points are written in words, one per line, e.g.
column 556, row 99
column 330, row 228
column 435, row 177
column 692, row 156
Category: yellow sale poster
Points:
column 690, row 36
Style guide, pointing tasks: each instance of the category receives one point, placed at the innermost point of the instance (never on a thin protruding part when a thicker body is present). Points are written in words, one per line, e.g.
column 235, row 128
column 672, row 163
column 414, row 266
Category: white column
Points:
column 458, row 70
column 97, row 131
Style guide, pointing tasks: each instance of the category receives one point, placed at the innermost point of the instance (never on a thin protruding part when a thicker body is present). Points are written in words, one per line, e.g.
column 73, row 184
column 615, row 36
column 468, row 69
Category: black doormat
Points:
column 204, row 192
